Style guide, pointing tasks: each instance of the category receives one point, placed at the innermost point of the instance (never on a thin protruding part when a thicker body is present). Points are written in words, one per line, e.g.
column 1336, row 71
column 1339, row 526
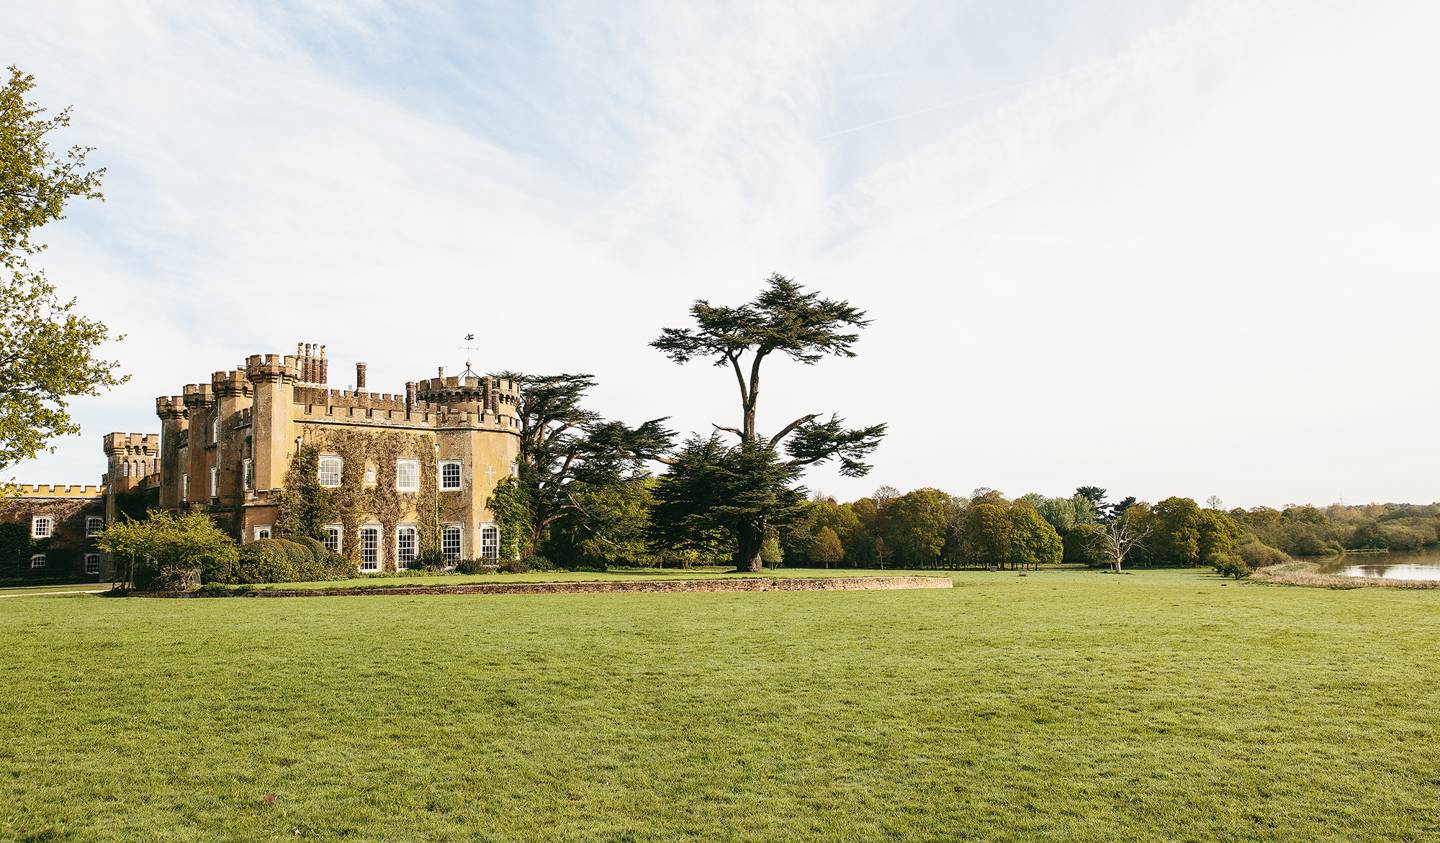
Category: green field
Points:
column 1061, row 705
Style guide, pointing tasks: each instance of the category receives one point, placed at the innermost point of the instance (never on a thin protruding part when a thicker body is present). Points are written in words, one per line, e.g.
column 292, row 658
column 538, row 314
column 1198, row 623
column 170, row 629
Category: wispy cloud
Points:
column 1139, row 245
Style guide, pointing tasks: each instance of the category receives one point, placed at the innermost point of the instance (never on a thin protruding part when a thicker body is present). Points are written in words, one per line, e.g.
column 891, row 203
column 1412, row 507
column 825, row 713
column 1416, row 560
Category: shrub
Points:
column 1257, row 554
column 431, row 560
column 265, row 560
column 1229, row 565
column 165, row 551
column 515, row 566
column 477, row 566
column 536, row 562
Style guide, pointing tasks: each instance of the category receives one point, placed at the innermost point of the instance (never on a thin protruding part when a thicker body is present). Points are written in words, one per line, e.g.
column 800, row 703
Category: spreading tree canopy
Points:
column 47, row 350
column 787, row 320
column 569, row 452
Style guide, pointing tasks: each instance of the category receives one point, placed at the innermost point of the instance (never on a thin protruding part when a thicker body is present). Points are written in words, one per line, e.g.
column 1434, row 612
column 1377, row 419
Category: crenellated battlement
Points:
column 171, row 407
column 349, row 398
column 422, row 416
column 197, row 396
column 487, row 393
column 51, row 490
column 230, row 384
column 271, row 368
column 132, row 444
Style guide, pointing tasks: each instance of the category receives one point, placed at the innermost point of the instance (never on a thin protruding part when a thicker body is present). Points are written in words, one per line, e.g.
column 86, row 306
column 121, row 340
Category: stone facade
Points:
column 412, row 470
column 61, row 523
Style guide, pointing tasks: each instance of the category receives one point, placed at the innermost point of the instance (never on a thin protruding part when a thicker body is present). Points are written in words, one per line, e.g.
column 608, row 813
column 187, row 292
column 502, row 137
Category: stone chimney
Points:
column 409, row 398
column 360, row 376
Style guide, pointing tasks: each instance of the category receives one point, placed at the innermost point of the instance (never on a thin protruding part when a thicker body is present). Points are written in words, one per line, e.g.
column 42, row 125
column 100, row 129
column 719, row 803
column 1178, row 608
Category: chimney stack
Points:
column 409, row 398
column 359, row 376
column 324, row 367
column 441, row 370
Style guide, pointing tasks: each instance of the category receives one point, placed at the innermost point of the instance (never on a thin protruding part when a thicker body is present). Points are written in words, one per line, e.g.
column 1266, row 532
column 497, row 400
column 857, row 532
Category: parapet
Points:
column 197, row 396
column 52, row 490
column 488, row 392
column 171, row 407
column 269, row 368
column 142, row 444
column 230, row 384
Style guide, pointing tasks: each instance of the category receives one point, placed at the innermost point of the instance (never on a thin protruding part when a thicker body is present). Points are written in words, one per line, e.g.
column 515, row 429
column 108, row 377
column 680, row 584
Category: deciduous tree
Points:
column 47, row 350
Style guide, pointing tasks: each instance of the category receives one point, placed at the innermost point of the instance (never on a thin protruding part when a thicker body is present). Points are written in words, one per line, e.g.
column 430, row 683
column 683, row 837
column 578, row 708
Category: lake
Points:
column 1416, row 565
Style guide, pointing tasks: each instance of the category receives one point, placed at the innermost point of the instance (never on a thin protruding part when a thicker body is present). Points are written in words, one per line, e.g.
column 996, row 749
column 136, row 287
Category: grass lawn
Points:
column 91, row 585
column 1060, row 705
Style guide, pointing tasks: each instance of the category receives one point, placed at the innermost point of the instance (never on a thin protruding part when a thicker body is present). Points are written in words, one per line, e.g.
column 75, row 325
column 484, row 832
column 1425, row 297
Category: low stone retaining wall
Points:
column 594, row 587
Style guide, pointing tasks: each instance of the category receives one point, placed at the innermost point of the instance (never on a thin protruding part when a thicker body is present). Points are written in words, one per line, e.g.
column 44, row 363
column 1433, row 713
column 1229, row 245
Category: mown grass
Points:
column 1060, row 705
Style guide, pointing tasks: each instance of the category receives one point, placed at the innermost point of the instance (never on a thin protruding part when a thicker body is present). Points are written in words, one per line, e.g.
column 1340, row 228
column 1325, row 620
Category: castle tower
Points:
column 233, row 394
column 272, row 379
column 130, row 458
column 174, row 419
column 199, row 406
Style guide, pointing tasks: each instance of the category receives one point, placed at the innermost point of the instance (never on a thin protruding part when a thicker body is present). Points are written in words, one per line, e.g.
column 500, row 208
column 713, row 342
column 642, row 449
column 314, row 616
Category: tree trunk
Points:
column 748, row 544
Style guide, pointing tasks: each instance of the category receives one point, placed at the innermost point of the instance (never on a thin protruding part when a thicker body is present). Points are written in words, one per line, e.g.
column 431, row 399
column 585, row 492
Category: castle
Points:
column 407, row 474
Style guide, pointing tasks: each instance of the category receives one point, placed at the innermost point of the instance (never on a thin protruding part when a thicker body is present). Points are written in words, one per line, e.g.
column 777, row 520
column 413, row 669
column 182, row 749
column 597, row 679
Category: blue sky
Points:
column 1167, row 248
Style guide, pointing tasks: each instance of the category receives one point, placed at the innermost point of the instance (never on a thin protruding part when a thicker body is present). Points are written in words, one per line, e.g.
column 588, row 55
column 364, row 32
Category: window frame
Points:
column 36, row 521
column 94, row 525
column 459, row 475
column 371, row 529
column 489, row 549
column 95, row 558
column 409, row 463
column 337, row 532
column 320, row 464
column 459, row 532
column 267, row 529
column 42, row 563
column 401, row 563
column 215, row 430
column 214, row 481
column 247, row 474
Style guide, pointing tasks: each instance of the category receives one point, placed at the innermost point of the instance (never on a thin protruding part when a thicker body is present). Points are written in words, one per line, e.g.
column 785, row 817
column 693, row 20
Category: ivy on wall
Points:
column 305, row 506
column 354, row 503
column 514, row 517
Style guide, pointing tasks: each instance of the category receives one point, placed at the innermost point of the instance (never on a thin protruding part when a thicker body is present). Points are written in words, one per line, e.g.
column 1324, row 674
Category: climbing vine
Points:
column 305, row 506
column 514, row 517
column 355, row 502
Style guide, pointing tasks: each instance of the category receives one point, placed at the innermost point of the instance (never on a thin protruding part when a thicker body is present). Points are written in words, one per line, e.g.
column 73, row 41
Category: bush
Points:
column 476, row 566
column 265, row 560
column 1229, row 565
column 166, row 551
column 536, row 562
column 431, row 560
column 1257, row 554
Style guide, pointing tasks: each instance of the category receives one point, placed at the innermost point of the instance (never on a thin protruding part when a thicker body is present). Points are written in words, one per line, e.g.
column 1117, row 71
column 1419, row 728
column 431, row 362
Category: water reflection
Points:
column 1420, row 565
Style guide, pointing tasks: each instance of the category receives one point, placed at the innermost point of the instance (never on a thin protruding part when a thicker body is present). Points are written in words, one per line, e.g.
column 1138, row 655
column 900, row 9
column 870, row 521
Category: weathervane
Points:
column 469, row 352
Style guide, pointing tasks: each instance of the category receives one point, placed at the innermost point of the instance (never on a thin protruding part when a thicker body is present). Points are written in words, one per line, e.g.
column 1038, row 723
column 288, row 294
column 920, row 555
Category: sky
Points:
column 1166, row 248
